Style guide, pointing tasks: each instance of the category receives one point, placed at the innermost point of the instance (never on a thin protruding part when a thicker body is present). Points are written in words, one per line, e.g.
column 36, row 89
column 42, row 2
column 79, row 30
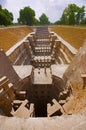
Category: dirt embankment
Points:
column 74, row 75
column 74, row 35
column 10, row 36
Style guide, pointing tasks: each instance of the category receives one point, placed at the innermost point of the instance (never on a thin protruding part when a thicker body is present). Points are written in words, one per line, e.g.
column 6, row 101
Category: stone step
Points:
column 65, row 57
column 56, row 107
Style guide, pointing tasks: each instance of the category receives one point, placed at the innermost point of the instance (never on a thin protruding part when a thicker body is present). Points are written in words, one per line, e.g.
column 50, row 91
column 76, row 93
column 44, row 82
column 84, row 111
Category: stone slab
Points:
column 58, row 70
column 42, row 77
column 23, row 71
column 74, row 122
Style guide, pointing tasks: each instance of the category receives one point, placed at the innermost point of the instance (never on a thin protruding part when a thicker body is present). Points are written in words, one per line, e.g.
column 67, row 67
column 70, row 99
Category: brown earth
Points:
column 73, row 75
column 74, row 35
column 10, row 36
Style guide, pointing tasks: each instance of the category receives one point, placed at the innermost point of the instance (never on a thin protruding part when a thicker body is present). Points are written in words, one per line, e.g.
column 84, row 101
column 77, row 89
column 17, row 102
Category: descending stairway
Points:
column 42, row 49
column 43, row 88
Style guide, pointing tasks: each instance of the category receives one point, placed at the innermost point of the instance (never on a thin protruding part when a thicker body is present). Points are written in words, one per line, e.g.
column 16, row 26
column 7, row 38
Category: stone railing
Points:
column 63, row 51
column 20, row 53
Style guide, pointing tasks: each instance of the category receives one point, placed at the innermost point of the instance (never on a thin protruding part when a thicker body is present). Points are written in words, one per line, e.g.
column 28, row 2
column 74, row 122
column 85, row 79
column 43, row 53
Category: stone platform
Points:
column 42, row 76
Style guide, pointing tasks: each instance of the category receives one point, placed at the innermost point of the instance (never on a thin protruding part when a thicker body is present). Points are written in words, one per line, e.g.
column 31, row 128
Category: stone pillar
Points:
column 6, row 96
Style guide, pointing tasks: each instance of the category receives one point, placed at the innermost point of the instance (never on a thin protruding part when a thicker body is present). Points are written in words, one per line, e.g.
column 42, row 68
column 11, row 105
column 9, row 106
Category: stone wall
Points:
column 6, row 96
column 20, row 53
column 62, row 51
column 6, row 68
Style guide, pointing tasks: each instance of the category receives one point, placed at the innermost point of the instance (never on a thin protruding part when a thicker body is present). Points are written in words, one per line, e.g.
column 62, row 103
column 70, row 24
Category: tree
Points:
column 6, row 17
column 36, row 21
column 73, row 14
column 44, row 19
column 80, row 15
column 27, row 16
column 9, row 16
column 58, row 22
column 64, row 18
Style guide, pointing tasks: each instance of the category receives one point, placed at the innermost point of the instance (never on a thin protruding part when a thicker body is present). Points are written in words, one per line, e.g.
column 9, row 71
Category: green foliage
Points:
column 6, row 17
column 27, row 16
column 44, row 19
column 73, row 14
column 58, row 22
column 36, row 22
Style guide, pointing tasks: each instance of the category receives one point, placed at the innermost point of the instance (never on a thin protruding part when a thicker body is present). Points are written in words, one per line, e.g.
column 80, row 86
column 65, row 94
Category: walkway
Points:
column 42, row 76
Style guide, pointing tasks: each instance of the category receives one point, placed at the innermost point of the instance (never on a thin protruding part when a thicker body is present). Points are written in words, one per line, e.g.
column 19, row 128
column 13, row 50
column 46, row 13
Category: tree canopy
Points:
column 27, row 16
column 73, row 14
column 44, row 19
column 6, row 17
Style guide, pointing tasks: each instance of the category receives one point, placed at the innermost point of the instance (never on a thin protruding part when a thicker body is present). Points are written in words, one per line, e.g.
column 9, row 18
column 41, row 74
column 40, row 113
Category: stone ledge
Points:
column 72, row 122
column 72, row 49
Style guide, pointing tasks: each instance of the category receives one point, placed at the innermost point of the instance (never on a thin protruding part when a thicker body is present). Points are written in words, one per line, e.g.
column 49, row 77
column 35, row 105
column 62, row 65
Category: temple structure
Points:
column 35, row 82
column 35, row 68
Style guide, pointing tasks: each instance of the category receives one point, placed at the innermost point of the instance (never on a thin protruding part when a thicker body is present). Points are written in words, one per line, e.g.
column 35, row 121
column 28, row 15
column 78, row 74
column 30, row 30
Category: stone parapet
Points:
column 20, row 53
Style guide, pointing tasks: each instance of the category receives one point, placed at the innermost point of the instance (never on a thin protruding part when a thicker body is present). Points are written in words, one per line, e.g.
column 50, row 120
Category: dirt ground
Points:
column 74, row 35
column 10, row 36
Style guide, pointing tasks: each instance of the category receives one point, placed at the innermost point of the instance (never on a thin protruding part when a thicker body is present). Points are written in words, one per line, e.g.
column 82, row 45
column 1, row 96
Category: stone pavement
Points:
column 73, row 122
